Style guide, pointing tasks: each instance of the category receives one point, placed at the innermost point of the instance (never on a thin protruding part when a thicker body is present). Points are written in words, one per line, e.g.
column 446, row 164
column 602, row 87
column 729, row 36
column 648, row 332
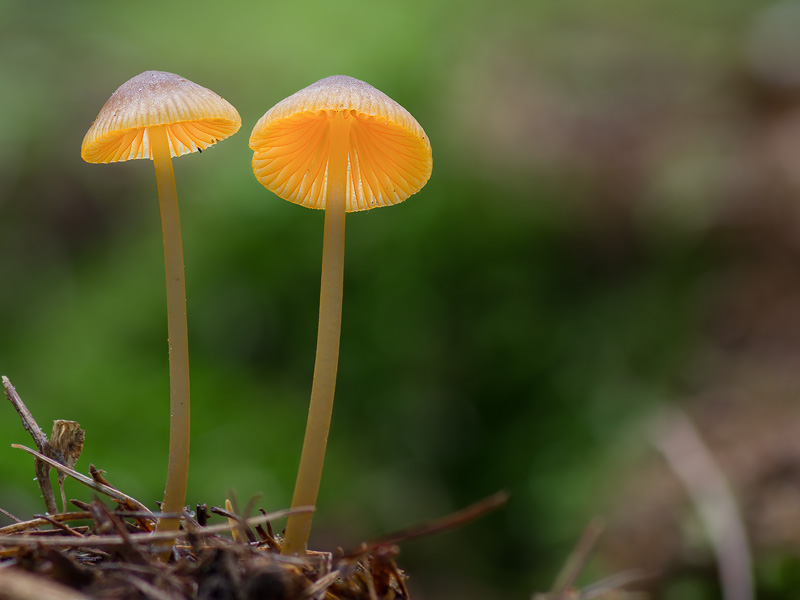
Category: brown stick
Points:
column 40, row 439
column 10, row 516
column 452, row 521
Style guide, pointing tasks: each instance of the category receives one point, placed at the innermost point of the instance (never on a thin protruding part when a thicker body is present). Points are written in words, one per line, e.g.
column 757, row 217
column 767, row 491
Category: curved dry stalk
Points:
column 675, row 436
column 237, row 528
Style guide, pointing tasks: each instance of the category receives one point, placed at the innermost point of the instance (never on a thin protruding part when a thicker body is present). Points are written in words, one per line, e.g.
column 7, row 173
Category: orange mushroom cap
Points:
column 389, row 156
column 194, row 117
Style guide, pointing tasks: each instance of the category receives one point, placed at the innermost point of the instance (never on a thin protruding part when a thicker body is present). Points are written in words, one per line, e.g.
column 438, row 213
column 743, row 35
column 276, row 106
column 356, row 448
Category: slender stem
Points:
column 330, row 321
column 178, row 469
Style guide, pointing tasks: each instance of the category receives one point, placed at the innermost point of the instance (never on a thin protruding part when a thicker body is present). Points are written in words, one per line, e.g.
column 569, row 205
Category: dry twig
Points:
column 456, row 519
column 40, row 439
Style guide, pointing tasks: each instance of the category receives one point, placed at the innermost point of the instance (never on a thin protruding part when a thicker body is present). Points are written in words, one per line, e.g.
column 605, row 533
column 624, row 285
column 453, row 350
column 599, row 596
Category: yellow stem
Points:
column 235, row 525
column 178, row 468
column 330, row 321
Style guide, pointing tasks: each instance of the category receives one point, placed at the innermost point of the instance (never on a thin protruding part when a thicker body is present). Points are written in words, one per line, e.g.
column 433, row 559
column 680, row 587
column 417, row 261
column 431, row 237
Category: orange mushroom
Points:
column 343, row 146
column 159, row 115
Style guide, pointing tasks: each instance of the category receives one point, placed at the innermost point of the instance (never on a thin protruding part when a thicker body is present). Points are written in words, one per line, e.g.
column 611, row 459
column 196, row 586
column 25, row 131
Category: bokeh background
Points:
column 611, row 228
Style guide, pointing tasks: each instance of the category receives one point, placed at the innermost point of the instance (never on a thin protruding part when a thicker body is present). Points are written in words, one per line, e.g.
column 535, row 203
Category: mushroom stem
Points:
column 178, row 468
column 312, row 458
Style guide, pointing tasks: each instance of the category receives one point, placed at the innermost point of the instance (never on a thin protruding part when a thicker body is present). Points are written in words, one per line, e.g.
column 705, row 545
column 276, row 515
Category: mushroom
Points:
column 342, row 146
column 159, row 115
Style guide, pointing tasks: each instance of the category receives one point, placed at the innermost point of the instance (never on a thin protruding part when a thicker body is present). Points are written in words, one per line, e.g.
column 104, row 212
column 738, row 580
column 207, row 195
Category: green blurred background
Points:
column 611, row 226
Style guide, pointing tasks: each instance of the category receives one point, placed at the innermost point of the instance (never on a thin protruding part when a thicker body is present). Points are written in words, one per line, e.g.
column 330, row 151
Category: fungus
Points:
column 159, row 115
column 342, row 146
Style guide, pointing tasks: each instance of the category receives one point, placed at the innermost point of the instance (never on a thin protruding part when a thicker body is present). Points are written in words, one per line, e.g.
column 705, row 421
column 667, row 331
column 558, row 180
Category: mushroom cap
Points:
column 389, row 156
column 195, row 118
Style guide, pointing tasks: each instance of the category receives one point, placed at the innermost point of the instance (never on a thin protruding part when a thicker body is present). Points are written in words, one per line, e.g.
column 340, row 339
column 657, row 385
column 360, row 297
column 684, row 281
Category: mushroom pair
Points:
column 338, row 145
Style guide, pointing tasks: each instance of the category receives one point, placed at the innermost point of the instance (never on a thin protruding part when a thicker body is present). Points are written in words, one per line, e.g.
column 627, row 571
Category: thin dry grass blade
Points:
column 87, row 481
column 39, row 522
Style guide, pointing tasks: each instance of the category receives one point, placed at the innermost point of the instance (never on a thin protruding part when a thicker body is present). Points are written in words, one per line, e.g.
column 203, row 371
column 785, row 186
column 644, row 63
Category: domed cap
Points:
column 389, row 154
column 194, row 117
